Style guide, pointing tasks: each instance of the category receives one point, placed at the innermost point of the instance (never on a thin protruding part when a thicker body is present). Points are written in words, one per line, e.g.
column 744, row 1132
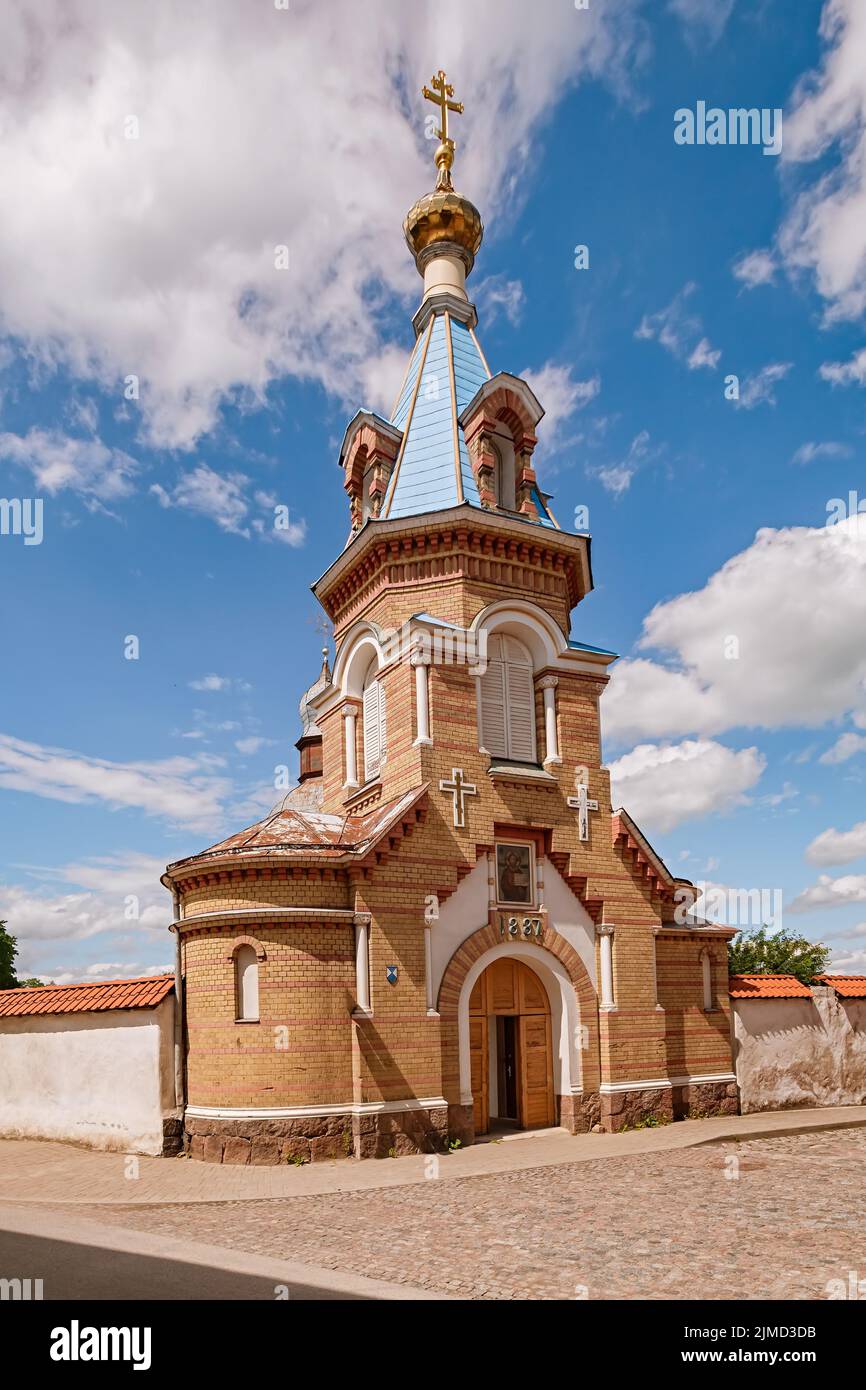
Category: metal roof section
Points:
column 291, row 833
column 432, row 471
column 585, row 647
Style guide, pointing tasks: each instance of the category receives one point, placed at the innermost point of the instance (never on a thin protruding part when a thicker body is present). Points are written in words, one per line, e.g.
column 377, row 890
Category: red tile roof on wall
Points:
column 84, row 999
column 767, row 987
column 848, row 986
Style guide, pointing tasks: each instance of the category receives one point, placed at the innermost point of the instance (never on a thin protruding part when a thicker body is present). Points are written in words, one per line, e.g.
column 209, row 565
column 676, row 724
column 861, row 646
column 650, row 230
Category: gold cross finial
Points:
column 440, row 93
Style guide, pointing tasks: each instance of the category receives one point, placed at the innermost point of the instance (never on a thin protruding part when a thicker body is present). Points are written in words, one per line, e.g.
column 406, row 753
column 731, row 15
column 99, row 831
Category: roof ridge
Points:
column 90, row 984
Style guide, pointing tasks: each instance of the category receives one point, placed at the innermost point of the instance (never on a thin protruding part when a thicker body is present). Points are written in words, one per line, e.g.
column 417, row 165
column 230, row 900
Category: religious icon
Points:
column 514, row 874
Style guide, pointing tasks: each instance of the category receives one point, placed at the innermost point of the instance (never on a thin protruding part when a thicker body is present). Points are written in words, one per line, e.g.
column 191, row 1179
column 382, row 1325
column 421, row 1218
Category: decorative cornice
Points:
column 444, row 302
column 465, row 541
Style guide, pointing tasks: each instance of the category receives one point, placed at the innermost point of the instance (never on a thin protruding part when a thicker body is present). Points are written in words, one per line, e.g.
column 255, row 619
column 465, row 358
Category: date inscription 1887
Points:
column 520, row 926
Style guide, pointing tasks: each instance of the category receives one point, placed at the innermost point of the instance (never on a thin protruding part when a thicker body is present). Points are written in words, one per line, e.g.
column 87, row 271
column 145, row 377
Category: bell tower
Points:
column 446, row 519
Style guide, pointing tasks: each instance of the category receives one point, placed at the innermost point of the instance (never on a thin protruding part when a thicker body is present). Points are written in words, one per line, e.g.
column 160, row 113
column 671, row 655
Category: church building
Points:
column 445, row 930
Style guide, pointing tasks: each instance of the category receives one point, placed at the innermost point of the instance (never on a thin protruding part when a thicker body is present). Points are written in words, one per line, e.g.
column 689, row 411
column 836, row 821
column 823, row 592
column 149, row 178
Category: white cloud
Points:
column 212, row 682
column 825, row 232
column 788, row 793
column 497, row 294
column 58, row 461
column 798, row 664
column 831, row 892
column 662, row 785
column 845, row 747
column 118, row 897
column 185, row 790
column 756, row 268
column 704, row 355
column 680, row 332
column 829, row 449
column 851, row 963
column 252, row 744
column 705, row 20
column 225, row 499
column 848, row 373
column 838, row 846
column 561, row 395
column 168, row 265
column 616, row 477
column 759, row 389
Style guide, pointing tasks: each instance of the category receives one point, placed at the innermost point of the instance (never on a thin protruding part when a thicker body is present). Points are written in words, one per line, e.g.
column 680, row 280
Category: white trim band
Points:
column 269, row 911
column 302, row 1112
column 666, row 1082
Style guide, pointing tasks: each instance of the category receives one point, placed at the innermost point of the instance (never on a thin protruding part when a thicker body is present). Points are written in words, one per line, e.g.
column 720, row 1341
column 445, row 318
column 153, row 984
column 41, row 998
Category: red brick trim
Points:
column 487, row 936
column 240, row 941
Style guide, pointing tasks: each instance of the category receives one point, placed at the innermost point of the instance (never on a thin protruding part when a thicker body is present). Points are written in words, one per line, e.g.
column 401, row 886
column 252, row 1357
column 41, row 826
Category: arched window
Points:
column 508, row 701
column 707, row 980
column 246, row 984
column 374, row 723
column 506, row 489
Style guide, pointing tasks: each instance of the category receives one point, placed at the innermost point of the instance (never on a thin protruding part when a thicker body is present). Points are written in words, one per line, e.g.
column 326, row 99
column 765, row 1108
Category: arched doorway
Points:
column 510, row 1046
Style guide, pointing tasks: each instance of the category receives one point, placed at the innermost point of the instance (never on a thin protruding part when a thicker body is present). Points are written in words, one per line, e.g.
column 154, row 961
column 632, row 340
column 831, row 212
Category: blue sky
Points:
column 154, row 256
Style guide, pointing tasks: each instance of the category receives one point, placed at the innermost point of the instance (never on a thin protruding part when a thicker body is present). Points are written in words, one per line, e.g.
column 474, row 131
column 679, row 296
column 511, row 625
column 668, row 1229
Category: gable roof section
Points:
column 88, row 998
column 626, row 832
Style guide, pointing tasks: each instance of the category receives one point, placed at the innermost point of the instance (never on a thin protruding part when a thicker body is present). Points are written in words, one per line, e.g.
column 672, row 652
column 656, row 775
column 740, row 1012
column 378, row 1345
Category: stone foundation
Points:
column 578, row 1114
column 172, row 1136
column 398, row 1132
column 707, row 1098
column 634, row 1109
column 628, row 1109
column 313, row 1139
column 461, row 1124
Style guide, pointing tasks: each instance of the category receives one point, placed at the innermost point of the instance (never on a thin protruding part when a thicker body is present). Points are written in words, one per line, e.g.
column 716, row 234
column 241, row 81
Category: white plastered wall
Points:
column 800, row 1052
column 101, row 1079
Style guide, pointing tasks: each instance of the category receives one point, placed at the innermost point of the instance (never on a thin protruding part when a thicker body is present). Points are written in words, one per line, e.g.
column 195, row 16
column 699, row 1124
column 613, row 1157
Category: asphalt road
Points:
column 75, row 1271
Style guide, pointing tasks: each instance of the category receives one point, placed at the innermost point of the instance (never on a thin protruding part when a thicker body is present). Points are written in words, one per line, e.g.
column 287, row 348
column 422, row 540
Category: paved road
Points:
column 87, row 1260
column 761, row 1219
column 34, row 1170
column 76, row 1272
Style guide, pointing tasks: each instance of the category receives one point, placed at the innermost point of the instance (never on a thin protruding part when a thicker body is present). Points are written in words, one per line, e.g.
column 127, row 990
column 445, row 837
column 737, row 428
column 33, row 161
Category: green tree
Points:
column 759, row 953
column 8, row 952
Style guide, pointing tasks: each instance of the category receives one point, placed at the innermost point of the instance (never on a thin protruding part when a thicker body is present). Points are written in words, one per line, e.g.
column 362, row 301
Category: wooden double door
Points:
column 510, row 1047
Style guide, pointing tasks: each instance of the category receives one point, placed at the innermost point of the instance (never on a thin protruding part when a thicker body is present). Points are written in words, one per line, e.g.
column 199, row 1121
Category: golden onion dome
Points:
column 443, row 222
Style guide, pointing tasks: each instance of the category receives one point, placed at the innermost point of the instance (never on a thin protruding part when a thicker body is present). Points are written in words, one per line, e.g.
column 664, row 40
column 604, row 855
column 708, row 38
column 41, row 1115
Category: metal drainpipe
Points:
column 179, row 1097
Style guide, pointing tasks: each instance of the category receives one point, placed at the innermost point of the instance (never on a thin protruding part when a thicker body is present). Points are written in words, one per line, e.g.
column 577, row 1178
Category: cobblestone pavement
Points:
column 756, row 1219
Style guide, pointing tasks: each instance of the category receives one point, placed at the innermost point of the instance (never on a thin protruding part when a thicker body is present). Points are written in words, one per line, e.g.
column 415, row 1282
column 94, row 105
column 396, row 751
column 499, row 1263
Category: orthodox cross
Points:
column 459, row 789
column 442, row 91
column 583, row 805
column 440, row 94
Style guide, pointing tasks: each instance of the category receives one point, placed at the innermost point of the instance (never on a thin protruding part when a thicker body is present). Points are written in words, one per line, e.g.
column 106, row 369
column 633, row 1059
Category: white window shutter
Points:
column 372, row 739
column 494, row 732
column 383, row 738
column 520, row 699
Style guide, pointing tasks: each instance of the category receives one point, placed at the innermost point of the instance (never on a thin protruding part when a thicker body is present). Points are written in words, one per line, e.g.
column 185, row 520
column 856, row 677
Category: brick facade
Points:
column 349, row 893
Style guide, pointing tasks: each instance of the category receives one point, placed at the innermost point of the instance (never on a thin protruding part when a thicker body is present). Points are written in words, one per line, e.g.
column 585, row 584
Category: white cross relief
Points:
column 459, row 789
column 583, row 805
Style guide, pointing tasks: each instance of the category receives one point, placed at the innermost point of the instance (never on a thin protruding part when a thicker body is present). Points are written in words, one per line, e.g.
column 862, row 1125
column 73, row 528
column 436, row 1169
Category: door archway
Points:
column 510, row 1047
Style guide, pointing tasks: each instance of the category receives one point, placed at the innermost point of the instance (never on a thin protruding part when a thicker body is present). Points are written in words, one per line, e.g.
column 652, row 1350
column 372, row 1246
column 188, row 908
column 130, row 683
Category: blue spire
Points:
column 433, row 471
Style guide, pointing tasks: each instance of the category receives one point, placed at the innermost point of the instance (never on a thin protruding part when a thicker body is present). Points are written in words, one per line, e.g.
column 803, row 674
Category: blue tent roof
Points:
column 446, row 370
